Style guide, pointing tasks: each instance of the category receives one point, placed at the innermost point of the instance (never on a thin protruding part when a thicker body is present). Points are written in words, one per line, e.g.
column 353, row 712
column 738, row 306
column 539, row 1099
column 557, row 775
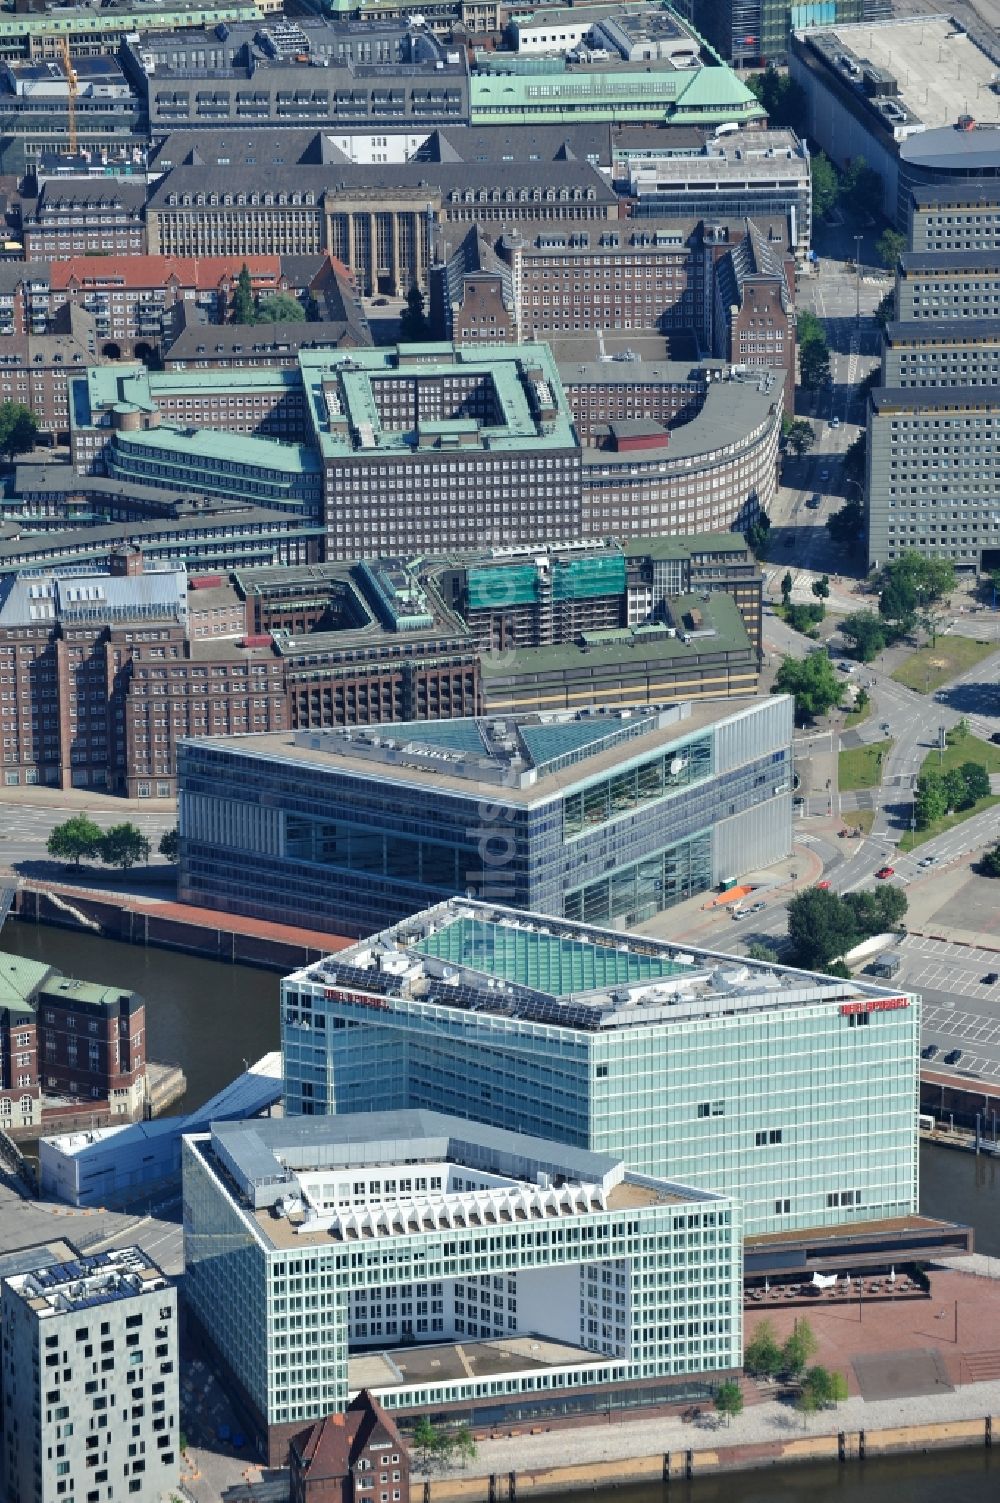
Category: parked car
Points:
column 757, row 907
column 953, row 1056
column 835, row 422
column 995, row 738
column 884, row 872
column 929, row 1052
column 991, row 978
column 738, row 913
column 824, row 886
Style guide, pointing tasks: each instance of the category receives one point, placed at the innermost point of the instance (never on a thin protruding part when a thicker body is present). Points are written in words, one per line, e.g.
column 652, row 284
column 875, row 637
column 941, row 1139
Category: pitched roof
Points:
column 202, row 272
column 328, row 1450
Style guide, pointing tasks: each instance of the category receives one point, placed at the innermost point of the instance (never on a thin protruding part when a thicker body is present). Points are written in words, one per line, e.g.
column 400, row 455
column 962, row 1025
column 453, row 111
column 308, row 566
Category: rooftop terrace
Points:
column 482, row 958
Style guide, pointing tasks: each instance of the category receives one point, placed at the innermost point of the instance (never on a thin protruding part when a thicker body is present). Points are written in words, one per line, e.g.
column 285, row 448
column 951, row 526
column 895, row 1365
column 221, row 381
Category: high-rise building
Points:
column 793, row 1093
column 90, row 1389
column 450, row 1267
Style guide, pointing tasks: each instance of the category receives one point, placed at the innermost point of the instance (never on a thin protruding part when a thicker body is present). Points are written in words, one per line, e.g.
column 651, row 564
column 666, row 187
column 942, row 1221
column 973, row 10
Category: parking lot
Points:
column 959, row 1010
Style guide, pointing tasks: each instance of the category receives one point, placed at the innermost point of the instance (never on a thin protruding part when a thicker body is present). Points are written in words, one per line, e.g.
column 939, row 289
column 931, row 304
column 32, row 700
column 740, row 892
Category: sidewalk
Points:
column 78, row 799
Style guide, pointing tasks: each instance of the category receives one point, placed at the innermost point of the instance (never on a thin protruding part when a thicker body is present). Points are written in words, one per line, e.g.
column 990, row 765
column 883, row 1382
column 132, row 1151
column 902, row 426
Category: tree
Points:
column 123, row 846
column 814, row 366
column 804, row 618
column 800, row 436
column 786, row 586
column 861, row 700
column 821, row 587
column 424, row 1439
column 280, row 308
column 847, row 525
column 856, row 459
column 821, row 927
column 813, row 683
column 877, row 912
column 763, row 1354
column 465, row 1444
column 930, row 802
column 809, row 329
column 243, row 309
column 77, row 839
column 169, row 845
column 797, row 1350
column 866, row 632
column 861, row 188
column 838, row 968
column 825, row 186
column 757, row 534
column 890, row 246
column 886, row 310
column 729, row 1400
column 760, row 951
column 413, row 324
column 444, row 1447
column 990, row 863
column 977, row 782
column 18, row 428
column 782, row 97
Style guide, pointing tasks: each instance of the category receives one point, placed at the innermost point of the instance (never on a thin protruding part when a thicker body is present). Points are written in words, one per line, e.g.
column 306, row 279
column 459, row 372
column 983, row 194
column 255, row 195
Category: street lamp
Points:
column 857, row 276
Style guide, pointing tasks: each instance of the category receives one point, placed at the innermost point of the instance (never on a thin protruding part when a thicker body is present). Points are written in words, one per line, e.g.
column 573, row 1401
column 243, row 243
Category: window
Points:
column 782, row 1207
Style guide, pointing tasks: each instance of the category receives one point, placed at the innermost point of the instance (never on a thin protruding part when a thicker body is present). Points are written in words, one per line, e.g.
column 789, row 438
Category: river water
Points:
column 209, row 1017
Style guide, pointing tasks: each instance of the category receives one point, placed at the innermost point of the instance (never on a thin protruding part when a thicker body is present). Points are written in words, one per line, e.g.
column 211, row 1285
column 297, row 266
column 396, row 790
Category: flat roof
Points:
column 348, row 420
column 939, row 68
column 452, row 1361
column 942, row 331
column 726, row 632
column 86, row 1283
column 432, row 752
column 950, row 261
column 279, row 1171
column 481, row 958
column 732, row 409
column 904, row 399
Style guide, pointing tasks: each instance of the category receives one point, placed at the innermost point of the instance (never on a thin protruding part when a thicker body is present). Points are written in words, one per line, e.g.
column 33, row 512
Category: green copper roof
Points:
column 545, row 962
column 19, row 981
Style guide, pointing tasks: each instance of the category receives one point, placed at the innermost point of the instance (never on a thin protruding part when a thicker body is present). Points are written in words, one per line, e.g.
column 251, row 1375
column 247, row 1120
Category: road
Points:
column 24, row 828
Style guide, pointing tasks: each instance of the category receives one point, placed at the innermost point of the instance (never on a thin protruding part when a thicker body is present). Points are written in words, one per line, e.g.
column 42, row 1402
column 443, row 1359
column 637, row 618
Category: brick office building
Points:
column 66, row 1044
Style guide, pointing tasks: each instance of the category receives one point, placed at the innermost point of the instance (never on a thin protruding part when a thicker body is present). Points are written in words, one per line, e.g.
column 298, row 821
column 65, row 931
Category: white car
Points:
column 928, row 861
column 835, row 422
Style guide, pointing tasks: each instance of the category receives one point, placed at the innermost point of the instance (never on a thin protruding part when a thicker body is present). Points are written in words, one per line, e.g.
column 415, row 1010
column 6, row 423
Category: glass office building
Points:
column 793, row 1093
column 603, row 816
column 327, row 1256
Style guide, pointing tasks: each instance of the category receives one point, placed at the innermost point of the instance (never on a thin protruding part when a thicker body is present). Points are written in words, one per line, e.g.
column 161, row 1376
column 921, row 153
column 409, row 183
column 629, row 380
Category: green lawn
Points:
column 965, row 749
column 860, row 819
column 861, row 766
column 930, row 667
column 911, row 840
column 857, row 717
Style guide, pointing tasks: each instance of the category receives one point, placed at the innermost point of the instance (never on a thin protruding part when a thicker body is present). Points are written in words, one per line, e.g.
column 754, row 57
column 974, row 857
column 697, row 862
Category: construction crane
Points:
column 72, row 84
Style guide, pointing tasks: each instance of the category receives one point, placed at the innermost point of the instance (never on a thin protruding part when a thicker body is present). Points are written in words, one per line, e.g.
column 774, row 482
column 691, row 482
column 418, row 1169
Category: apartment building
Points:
column 36, row 368
column 948, row 284
column 753, row 321
column 67, row 1047
column 90, row 1378
column 132, row 299
column 85, row 217
column 341, row 1457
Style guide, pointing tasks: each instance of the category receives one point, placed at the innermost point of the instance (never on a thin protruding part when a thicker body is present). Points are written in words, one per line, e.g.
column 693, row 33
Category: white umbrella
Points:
column 847, row 1281
column 767, row 1287
column 892, row 1275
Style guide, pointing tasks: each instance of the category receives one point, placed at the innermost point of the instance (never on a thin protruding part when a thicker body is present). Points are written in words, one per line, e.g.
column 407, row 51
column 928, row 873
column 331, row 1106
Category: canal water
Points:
column 935, row 1477
column 209, row 1018
column 203, row 1015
